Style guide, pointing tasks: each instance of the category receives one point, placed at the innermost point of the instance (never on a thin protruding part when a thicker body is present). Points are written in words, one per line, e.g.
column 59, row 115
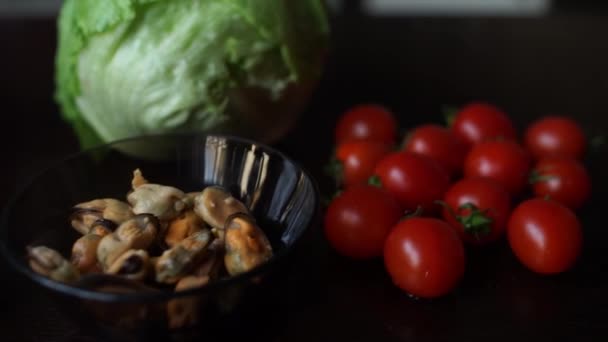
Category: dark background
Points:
column 555, row 64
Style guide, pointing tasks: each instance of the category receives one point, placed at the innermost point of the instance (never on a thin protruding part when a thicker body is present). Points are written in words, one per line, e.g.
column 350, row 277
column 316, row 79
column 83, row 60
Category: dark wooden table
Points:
column 528, row 66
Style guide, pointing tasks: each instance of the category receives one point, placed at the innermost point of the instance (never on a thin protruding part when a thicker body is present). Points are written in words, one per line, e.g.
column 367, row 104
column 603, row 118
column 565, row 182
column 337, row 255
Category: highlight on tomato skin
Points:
column 479, row 121
column 466, row 177
column 414, row 180
column 545, row 236
column 438, row 143
column 562, row 179
column 424, row 257
column 358, row 220
column 357, row 160
column 503, row 161
column 555, row 136
column 369, row 122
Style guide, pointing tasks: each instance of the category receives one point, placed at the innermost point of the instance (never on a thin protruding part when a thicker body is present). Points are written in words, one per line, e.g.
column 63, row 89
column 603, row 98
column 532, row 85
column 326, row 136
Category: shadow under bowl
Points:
column 282, row 197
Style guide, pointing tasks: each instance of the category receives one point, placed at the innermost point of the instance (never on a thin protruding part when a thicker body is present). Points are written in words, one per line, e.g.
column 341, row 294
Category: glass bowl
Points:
column 282, row 197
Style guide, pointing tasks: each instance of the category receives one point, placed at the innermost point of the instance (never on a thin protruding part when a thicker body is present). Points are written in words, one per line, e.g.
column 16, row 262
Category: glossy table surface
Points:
column 528, row 66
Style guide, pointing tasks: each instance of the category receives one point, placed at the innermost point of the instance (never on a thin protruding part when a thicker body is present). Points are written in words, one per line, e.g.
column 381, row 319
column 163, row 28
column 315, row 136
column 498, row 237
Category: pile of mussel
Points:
column 159, row 237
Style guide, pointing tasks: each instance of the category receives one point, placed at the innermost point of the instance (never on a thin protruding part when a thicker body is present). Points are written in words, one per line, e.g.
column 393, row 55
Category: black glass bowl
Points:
column 282, row 197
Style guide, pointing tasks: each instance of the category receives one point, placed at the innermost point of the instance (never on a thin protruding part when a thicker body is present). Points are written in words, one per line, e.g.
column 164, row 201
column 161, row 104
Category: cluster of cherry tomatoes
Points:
column 418, row 203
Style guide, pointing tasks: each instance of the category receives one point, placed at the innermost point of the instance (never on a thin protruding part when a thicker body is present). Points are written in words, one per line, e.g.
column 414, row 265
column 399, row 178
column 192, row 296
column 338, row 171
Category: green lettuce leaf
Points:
column 133, row 67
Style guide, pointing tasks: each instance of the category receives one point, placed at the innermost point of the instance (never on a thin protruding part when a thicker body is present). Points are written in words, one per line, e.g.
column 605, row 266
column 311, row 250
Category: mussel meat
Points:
column 138, row 179
column 183, row 226
column 50, row 263
column 84, row 253
column 246, row 244
column 164, row 202
column 107, row 212
column 176, row 262
column 136, row 233
column 214, row 205
column 133, row 264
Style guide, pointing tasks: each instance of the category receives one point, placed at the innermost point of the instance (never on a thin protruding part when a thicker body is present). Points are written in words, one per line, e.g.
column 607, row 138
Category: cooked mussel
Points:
column 50, row 263
column 220, row 236
column 140, row 230
column 133, row 264
column 136, row 233
column 161, row 237
column 184, row 312
column 174, row 263
column 84, row 251
column 107, row 212
column 100, row 229
column 138, row 179
column 189, row 199
column 246, row 244
column 214, row 205
column 211, row 265
column 164, row 202
column 183, row 226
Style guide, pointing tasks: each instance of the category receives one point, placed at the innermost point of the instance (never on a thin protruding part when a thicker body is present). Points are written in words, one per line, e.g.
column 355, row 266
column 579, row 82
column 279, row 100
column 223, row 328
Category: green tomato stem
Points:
column 537, row 177
column 375, row 181
column 476, row 222
column 449, row 114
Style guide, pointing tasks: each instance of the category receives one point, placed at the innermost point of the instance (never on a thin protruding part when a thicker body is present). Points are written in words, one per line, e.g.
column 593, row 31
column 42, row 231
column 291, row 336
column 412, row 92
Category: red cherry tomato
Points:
column 554, row 135
column 414, row 180
column 477, row 122
column 478, row 208
column 545, row 236
column 503, row 161
column 358, row 160
column 440, row 144
column 424, row 257
column 563, row 179
column 367, row 122
column 359, row 219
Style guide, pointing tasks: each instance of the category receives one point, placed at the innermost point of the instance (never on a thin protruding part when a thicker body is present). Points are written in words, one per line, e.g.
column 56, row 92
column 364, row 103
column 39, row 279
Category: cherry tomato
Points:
column 563, row 179
column 357, row 161
column 424, row 257
column 414, row 180
column 553, row 135
column 438, row 143
column 359, row 219
column 503, row 161
column 367, row 122
column 545, row 236
column 478, row 121
column 478, row 208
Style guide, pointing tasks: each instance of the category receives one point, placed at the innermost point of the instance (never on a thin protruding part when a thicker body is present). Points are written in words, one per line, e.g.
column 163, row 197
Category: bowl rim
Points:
column 160, row 295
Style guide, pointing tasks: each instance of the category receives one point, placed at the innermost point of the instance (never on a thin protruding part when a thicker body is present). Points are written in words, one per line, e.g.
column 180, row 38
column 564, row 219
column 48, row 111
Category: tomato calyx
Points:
column 326, row 200
column 475, row 222
column 411, row 214
column 537, row 177
column 375, row 181
column 449, row 114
